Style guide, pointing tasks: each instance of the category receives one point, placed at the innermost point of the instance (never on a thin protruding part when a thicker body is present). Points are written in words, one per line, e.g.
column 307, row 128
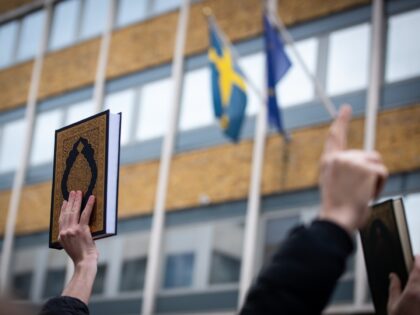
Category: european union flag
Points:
column 277, row 65
column 228, row 86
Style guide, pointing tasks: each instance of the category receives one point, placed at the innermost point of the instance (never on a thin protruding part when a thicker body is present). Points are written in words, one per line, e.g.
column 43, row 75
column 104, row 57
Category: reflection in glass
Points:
column 133, row 274
column 348, row 59
column 30, row 37
column 94, row 17
column 196, row 107
column 179, row 271
column 403, row 49
column 22, row 284
column 44, row 136
column 161, row 6
column 54, row 283
column 122, row 102
column 156, row 99
column 64, row 26
column 296, row 87
column 130, row 11
column 11, row 145
column 79, row 111
column 8, row 36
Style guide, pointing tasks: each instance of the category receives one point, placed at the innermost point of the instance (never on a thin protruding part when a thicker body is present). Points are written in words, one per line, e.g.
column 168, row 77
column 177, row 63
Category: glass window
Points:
column 224, row 268
column 44, row 136
column 98, row 285
column 348, row 59
column 253, row 67
column 156, row 99
column 30, row 36
column 22, row 284
column 179, row 270
column 79, row 111
column 54, row 283
column 12, row 144
column 94, row 17
column 65, row 22
column 403, row 49
column 197, row 105
column 133, row 274
column 122, row 102
column 276, row 232
column 296, row 87
column 130, row 11
column 161, row 6
column 8, row 34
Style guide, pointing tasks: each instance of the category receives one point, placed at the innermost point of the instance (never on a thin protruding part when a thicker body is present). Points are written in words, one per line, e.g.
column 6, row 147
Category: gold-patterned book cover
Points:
column 387, row 248
column 81, row 161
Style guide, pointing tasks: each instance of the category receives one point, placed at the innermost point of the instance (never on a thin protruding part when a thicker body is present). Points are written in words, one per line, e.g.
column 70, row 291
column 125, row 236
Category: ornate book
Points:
column 387, row 248
column 86, row 158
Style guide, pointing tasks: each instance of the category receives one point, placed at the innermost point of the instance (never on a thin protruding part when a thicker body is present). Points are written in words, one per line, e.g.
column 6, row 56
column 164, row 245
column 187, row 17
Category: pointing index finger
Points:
column 337, row 136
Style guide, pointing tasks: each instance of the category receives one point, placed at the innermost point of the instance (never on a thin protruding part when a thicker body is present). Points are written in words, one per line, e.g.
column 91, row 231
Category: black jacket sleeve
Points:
column 64, row 305
column 302, row 275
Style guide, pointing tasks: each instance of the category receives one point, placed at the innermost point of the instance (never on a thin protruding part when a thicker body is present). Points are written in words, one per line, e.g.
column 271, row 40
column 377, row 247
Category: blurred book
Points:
column 86, row 158
column 387, row 248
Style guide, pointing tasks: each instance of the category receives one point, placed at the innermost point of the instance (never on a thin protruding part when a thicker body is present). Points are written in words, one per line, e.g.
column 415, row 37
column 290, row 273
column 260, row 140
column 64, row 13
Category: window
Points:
column 79, row 111
column 161, row 6
column 348, row 59
column 403, row 49
column 22, row 283
column 99, row 284
column 65, row 22
column 296, row 87
column 8, row 35
column 13, row 135
column 130, row 11
column 122, row 102
column 30, row 37
column 133, row 274
column 94, row 17
column 156, row 101
column 197, row 107
column 179, row 271
column 44, row 136
column 253, row 66
column 54, row 283
column 224, row 268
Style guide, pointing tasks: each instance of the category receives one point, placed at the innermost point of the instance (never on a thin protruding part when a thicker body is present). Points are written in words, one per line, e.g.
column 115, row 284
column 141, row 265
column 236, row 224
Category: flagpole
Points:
column 19, row 178
column 254, row 195
column 372, row 104
column 325, row 100
column 156, row 239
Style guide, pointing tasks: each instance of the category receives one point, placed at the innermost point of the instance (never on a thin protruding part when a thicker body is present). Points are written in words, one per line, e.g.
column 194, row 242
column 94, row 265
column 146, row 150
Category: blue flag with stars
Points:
column 277, row 65
column 228, row 86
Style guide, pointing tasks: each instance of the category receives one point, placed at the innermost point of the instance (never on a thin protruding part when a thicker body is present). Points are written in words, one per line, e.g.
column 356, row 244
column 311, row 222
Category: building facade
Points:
column 210, row 177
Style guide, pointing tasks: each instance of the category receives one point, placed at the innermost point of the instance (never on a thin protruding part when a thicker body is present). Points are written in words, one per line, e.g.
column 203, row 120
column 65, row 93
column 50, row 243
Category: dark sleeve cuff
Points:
column 65, row 305
column 328, row 230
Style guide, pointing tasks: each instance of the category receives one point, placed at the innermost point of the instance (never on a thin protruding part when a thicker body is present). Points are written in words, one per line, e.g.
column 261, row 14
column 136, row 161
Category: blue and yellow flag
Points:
column 228, row 85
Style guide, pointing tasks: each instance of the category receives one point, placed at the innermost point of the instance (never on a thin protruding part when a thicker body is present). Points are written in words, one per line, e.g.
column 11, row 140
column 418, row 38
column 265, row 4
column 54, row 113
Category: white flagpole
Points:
column 98, row 93
column 99, row 87
column 19, row 178
column 325, row 100
column 254, row 195
column 156, row 238
column 372, row 104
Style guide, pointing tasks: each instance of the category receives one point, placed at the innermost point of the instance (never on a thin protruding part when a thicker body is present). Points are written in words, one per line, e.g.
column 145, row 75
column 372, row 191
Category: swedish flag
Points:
column 228, row 85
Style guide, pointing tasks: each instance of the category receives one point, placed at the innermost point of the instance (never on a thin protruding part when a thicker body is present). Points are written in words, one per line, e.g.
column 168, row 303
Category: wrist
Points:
column 343, row 218
column 86, row 264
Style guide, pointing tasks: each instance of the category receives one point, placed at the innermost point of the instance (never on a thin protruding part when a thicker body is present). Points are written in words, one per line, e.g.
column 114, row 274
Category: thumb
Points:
column 394, row 289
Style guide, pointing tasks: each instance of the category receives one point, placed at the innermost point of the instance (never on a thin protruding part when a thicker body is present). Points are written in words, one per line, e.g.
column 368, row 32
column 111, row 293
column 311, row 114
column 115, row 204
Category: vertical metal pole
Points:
column 372, row 103
column 98, row 93
column 155, row 246
column 19, row 178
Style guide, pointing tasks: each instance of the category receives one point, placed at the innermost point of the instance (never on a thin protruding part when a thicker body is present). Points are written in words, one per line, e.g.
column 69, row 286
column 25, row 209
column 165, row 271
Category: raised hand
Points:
column 349, row 179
